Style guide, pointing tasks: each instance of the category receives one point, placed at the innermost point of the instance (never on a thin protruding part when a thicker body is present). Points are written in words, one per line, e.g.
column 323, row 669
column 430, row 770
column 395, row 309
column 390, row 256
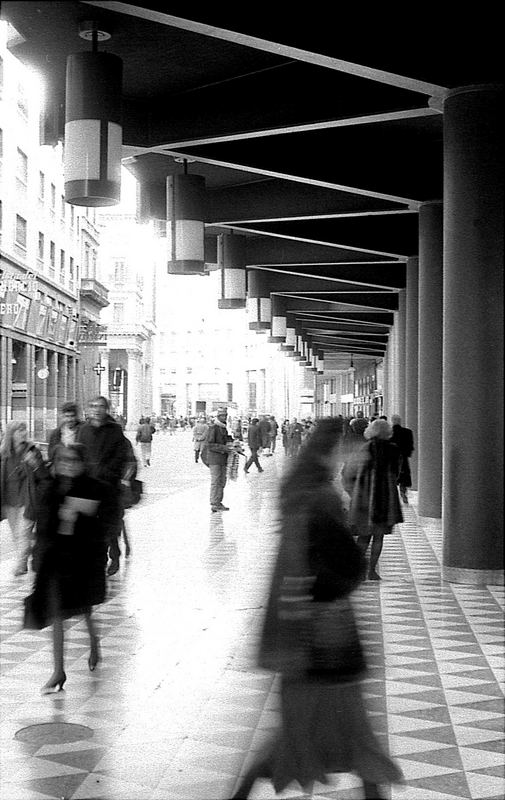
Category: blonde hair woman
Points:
column 22, row 468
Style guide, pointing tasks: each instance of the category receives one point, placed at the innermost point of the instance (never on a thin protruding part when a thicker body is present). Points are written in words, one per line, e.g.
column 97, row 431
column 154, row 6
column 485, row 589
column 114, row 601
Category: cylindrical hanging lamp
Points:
column 320, row 362
column 186, row 224
column 278, row 325
column 231, row 257
column 258, row 303
column 93, row 125
column 290, row 341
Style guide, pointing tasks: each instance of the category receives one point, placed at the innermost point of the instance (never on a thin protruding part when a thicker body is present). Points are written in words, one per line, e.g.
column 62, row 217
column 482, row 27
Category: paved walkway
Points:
column 176, row 707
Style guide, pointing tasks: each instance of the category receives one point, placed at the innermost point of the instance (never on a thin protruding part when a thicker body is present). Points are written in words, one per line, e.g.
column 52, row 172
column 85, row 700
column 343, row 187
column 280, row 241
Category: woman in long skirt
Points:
column 310, row 636
column 70, row 557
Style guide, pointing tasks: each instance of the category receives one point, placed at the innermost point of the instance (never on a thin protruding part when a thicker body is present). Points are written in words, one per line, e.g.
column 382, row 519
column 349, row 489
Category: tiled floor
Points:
column 176, row 707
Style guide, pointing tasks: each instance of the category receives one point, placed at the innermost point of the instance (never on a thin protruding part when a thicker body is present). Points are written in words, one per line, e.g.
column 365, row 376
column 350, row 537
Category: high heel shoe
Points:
column 94, row 655
column 54, row 684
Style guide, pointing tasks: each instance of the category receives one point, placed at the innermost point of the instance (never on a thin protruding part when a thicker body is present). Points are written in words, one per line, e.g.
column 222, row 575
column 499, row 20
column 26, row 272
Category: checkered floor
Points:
column 176, row 709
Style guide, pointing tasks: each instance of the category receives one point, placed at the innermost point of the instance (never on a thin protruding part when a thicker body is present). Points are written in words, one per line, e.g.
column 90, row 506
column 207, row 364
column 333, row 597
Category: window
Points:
column 119, row 271
column 53, row 196
column 41, row 247
column 22, row 101
column 42, row 186
column 229, row 392
column 52, row 258
column 22, row 166
column 72, row 216
column 71, row 272
column 21, row 317
column 62, row 208
column 20, row 231
column 62, row 266
column 118, row 312
column 1, row 143
column 1, row 75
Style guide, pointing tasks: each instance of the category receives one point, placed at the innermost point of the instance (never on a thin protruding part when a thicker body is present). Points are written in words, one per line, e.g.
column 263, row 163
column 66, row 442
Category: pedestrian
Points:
column 310, row 636
column 274, row 429
column 144, row 437
column 107, row 460
column 295, row 433
column 67, row 430
column 22, row 473
column 254, row 440
column 369, row 476
column 285, row 436
column 404, row 440
column 354, row 436
column 70, row 556
column 217, row 445
column 200, row 431
column 264, row 429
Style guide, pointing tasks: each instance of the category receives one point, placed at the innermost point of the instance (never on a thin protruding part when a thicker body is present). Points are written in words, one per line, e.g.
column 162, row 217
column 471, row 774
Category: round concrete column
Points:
column 472, row 446
column 429, row 445
column 401, row 316
column 411, row 359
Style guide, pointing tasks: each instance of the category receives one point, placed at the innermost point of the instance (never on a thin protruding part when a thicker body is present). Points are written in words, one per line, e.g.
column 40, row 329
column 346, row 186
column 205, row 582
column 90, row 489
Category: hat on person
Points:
column 221, row 411
column 378, row 429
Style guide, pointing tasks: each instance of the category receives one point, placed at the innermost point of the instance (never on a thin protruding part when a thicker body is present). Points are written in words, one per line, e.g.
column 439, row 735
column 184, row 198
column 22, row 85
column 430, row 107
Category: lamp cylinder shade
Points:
column 186, row 224
column 320, row 361
column 93, row 129
column 231, row 258
column 290, row 341
column 258, row 303
column 278, row 324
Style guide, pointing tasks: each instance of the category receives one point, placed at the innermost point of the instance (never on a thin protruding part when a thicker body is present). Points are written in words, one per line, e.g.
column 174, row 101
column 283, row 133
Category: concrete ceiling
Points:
column 319, row 132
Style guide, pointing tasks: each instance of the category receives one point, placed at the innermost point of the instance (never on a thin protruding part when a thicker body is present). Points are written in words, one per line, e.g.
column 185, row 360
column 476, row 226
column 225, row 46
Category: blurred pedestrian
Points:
column 404, row 440
column 144, row 437
column 285, row 436
column 274, row 429
column 70, row 556
column 264, row 429
column 106, row 460
column 22, row 471
column 295, row 433
column 200, row 432
column 67, row 430
column 310, row 636
column 369, row 476
column 217, row 445
column 254, row 441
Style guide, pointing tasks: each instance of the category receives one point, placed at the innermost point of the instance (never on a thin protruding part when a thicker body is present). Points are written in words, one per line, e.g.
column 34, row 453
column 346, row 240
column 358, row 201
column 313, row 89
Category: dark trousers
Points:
column 253, row 459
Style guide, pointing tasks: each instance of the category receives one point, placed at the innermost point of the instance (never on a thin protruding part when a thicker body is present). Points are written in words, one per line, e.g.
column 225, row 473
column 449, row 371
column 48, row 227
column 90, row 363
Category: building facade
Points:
column 43, row 242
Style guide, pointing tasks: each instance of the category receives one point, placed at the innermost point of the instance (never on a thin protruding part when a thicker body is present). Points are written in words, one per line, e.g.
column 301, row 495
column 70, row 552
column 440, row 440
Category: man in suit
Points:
column 404, row 439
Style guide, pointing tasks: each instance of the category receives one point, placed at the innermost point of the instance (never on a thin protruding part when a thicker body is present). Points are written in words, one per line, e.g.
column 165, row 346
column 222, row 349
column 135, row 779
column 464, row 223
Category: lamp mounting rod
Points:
column 91, row 31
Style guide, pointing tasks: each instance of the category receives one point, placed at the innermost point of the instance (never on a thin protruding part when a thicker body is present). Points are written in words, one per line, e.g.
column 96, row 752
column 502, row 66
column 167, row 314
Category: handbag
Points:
column 132, row 494
column 335, row 647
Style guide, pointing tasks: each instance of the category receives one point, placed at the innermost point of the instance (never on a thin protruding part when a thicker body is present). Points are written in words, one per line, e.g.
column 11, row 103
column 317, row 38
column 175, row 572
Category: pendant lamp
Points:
column 258, row 303
column 93, row 124
column 231, row 258
column 186, row 224
column 278, row 326
column 290, row 340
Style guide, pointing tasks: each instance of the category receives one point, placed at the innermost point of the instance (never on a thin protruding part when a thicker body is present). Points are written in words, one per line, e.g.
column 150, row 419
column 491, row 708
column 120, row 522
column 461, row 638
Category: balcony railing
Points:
column 95, row 291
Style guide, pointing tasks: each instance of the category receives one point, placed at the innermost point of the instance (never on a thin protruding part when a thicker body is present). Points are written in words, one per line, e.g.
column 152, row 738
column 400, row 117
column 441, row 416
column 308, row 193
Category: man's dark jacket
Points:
column 254, row 437
column 106, row 451
column 55, row 439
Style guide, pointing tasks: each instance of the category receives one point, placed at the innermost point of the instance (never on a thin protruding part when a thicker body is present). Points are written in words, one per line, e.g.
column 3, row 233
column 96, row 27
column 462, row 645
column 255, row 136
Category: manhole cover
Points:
column 53, row 733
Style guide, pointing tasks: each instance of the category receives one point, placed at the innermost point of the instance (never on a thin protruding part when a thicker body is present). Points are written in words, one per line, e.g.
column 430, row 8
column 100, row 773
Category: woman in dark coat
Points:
column 310, row 637
column 370, row 478
column 69, row 557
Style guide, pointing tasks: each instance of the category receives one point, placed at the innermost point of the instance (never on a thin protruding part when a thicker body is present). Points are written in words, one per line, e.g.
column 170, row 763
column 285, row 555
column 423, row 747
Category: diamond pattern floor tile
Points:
column 177, row 708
